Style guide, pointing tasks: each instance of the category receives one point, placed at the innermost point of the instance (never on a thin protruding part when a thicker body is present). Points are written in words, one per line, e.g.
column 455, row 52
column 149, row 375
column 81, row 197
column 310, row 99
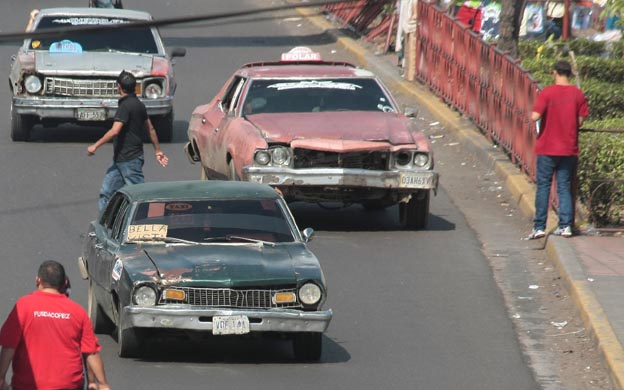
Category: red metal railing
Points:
column 480, row 81
column 364, row 16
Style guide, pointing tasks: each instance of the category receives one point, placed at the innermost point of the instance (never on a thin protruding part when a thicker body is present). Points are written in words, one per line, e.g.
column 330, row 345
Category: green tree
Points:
column 614, row 6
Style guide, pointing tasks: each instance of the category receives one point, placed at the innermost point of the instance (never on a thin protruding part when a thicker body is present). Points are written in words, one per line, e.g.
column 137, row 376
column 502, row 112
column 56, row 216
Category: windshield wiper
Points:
column 229, row 238
column 167, row 240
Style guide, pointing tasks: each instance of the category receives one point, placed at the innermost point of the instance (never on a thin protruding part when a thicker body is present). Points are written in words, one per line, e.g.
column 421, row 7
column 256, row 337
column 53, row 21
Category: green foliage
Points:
column 527, row 48
column 613, row 6
column 601, row 173
column 617, row 49
column 606, row 100
column 609, row 70
column 586, row 47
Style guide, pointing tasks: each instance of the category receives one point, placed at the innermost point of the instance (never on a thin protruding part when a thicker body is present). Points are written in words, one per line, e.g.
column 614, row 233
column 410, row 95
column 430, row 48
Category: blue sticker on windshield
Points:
column 65, row 46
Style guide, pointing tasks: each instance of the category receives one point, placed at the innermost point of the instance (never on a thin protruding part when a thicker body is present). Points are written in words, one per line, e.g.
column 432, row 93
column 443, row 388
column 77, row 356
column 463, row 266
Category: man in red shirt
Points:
column 561, row 109
column 46, row 336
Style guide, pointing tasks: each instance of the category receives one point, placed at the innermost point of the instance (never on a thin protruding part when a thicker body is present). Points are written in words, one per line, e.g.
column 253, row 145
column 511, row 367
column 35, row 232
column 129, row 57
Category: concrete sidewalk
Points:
column 592, row 266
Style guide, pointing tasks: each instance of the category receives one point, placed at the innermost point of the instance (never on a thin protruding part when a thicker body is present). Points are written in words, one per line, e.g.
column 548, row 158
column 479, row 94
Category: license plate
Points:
column 90, row 114
column 414, row 180
column 230, row 325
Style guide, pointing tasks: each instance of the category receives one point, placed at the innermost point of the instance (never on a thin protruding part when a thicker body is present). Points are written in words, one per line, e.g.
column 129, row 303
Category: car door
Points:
column 219, row 119
column 106, row 247
column 110, row 254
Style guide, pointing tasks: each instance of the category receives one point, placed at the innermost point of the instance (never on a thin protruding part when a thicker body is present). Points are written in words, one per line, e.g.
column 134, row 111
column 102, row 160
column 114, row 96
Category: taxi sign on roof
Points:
column 301, row 53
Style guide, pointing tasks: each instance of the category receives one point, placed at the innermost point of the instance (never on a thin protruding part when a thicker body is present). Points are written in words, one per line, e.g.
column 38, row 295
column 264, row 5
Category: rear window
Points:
column 135, row 40
column 315, row 95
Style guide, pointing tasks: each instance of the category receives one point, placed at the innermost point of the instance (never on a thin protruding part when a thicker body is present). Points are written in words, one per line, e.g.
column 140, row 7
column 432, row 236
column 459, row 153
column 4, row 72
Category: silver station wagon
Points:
column 71, row 76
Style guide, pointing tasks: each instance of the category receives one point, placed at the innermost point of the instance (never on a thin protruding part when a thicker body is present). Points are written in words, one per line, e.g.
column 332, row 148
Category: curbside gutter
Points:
column 522, row 190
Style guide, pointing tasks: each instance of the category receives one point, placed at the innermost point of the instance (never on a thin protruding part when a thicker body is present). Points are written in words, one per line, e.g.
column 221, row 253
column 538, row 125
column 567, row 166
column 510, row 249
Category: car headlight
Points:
column 144, row 296
column 421, row 159
column 262, row 157
column 403, row 158
column 310, row 294
column 32, row 84
column 153, row 91
column 280, row 156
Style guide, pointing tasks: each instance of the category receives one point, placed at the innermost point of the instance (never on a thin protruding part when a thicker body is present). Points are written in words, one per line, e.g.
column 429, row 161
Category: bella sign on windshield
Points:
column 142, row 232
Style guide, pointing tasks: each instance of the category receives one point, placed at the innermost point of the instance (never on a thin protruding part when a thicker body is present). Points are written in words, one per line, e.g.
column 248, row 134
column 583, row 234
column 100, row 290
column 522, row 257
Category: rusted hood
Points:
column 92, row 63
column 346, row 126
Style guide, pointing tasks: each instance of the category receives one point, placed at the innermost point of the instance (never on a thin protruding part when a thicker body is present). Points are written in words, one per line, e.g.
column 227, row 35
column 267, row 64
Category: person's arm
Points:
column 160, row 156
column 535, row 116
column 95, row 372
column 109, row 135
column 581, row 120
column 6, row 356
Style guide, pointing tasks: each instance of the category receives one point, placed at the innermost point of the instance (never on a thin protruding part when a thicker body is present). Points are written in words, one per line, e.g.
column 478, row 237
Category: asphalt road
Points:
column 413, row 310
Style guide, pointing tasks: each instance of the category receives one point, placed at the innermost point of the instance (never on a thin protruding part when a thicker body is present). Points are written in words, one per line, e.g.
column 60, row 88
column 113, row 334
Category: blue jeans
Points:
column 118, row 175
column 564, row 167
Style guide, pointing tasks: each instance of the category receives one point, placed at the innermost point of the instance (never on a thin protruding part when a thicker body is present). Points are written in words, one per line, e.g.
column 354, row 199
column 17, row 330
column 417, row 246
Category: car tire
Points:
column 164, row 127
column 128, row 340
column 308, row 346
column 414, row 214
column 20, row 126
column 100, row 321
column 232, row 171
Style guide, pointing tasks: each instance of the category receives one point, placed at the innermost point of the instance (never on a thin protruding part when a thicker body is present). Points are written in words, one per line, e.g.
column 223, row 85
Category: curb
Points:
column 522, row 190
column 592, row 313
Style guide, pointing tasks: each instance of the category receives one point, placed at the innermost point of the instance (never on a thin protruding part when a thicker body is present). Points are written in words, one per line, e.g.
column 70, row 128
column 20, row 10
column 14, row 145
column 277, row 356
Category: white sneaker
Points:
column 565, row 231
column 536, row 233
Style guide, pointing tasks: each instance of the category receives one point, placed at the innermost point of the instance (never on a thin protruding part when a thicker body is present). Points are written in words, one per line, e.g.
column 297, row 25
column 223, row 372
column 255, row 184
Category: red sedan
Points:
column 318, row 131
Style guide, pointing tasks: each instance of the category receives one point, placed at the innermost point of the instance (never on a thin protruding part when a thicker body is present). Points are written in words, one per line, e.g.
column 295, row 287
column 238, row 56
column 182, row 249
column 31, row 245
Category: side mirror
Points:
column 308, row 233
column 410, row 112
column 178, row 52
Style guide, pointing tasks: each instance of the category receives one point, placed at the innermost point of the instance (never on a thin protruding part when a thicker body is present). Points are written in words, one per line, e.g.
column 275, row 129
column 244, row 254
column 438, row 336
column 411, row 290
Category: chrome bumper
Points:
column 402, row 180
column 200, row 318
column 65, row 108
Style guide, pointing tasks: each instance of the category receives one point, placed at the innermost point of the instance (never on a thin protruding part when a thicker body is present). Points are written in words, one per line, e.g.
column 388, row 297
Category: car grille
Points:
column 375, row 160
column 225, row 297
column 58, row 86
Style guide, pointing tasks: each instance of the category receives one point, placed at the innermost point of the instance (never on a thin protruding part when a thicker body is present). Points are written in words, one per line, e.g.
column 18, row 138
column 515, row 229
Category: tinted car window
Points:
column 315, row 95
column 135, row 40
column 200, row 221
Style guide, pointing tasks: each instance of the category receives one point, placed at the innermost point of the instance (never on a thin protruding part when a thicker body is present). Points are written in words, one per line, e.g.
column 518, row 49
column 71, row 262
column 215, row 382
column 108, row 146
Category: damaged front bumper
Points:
column 200, row 318
column 81, row 109
column 336, row 177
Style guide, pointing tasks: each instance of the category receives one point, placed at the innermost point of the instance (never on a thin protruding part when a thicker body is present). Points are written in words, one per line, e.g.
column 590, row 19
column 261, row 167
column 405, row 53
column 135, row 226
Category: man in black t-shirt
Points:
column 129, row 124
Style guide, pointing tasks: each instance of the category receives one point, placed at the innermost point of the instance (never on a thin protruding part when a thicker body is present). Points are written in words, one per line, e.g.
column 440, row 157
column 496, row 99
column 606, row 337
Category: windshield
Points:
column 135, row 40
column 207, row 221
column 315, row 95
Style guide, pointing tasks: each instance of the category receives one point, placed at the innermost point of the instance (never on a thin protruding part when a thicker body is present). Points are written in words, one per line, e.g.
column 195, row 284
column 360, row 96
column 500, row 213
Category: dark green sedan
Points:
column 225, row 258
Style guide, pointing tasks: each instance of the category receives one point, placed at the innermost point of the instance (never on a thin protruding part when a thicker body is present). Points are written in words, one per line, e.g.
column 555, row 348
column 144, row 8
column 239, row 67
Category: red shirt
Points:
column 49, row 333
column 560, row 107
